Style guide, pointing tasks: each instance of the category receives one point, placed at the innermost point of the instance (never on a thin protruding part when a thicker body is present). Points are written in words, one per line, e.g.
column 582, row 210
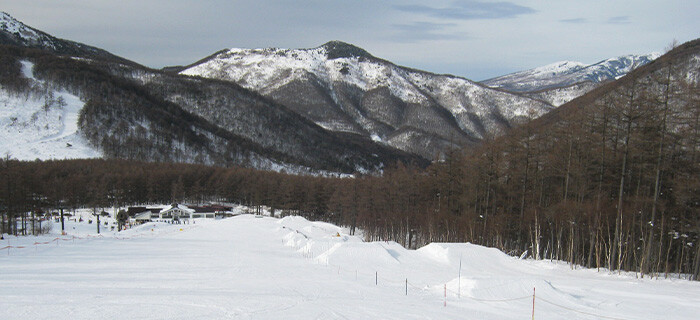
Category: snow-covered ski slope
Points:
column 41, row 125
column 250, row 267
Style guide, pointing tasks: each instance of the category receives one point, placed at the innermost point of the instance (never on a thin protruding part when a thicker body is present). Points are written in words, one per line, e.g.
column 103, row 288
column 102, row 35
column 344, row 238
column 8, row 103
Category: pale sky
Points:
column 476, row 39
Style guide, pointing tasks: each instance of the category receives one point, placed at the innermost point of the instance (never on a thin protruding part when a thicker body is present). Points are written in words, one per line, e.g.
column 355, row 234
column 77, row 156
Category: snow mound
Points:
column 473, row 257
column 358, row 254
column 308, row 229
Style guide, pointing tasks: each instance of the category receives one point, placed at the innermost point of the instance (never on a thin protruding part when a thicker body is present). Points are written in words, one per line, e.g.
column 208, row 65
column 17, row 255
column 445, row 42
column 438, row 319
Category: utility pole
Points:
column 97, row 215
column 63, row 225
column 459, row 279
column 61, row 204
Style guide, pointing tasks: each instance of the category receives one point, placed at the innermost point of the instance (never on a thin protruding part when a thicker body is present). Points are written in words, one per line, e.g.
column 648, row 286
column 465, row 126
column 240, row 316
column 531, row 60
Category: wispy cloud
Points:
column 470, row 10
column 574, row 20
column 619, row 20
column 425, row 31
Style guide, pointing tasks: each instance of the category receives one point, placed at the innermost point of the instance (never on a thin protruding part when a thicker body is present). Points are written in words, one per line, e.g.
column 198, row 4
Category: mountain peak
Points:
column 338, row 49
column 4, row 16
column 16, row 28
column 14, row 32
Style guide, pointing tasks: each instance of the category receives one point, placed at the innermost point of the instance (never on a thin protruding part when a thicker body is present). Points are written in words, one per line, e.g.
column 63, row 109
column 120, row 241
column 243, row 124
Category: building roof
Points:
column 178, row 206
column 133, row 211
column 146, row 215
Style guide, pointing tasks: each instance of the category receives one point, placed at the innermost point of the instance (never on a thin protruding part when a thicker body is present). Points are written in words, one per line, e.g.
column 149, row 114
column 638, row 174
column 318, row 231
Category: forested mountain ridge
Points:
column 610, row 179
column 345, row 89
column 367, row 107
column 121, row 119
column 14, row 32
column 134, row 112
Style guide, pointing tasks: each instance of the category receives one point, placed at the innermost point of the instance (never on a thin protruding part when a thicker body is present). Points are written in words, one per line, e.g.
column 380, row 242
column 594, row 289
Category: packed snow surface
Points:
column 253, row 267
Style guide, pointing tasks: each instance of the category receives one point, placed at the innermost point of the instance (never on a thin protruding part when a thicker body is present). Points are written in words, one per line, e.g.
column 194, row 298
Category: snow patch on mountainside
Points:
column 35, row 126
column 559, row 96
column 24, row 33
column 265, row 70
column 466, row 101
column 11, row 25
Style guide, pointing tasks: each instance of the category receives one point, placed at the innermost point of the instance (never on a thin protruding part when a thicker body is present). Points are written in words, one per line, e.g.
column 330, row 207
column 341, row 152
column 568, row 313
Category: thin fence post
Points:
column 459, row 279
column 533, row 303
column 376, row 278
column 445, row 304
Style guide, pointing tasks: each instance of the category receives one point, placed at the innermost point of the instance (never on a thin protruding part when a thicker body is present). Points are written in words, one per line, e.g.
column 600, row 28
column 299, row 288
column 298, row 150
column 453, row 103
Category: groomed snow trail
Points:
column 265, row 268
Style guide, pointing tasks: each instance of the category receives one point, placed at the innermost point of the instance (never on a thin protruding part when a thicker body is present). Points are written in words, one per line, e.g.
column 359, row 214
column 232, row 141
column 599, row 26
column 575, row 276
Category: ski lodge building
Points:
column 179, row 212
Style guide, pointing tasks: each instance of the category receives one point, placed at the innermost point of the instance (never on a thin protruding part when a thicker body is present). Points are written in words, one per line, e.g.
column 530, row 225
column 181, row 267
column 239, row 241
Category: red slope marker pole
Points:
column 445, row 295
column 533, row 303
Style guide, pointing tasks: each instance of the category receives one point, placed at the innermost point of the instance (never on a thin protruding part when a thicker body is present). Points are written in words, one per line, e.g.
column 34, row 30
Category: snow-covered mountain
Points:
column 61, row 99
column 343, row 88
column 565, row 74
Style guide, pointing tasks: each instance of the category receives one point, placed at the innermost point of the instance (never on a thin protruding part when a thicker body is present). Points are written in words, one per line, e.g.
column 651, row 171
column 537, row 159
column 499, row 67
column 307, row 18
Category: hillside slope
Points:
column 42, row 125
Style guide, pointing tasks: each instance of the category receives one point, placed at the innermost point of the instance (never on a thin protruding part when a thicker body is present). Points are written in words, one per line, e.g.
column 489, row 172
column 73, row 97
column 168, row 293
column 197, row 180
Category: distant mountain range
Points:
column 334, row 108
column 125, row 110
column 566, row 73
column 561, row 82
